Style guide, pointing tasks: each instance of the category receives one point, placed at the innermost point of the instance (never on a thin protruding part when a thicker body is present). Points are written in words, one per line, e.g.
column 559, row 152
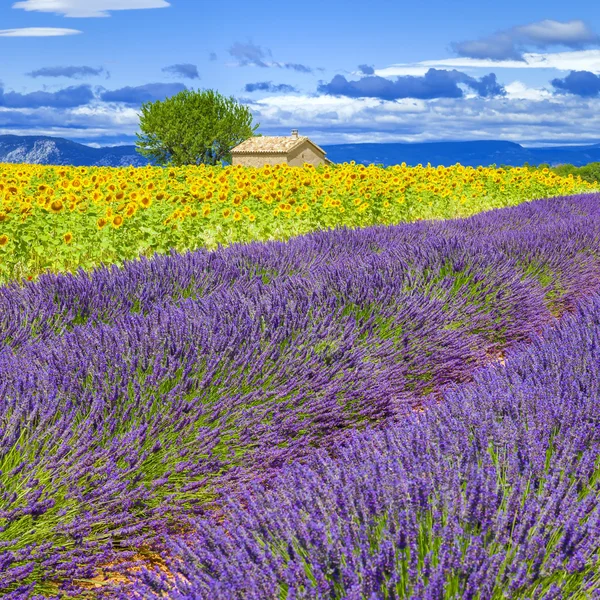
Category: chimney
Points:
column 295, row 133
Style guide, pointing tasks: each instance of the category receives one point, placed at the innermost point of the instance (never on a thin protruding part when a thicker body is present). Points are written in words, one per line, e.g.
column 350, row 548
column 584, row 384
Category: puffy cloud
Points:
column 486, row 86
column 38, row 32
column 186, row 70
column 150, row 92
column 366, row 69
column 434, row 84
column 267, row 86
column 518, row 90
column 579, row 83
column 508, row 44
column 71, row 72
column 87, row 8
column 65, row 98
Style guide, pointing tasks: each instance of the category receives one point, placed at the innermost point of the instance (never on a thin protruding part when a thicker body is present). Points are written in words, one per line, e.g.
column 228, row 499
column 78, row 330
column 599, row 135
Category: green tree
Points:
column 589, row 172
column 193, row 127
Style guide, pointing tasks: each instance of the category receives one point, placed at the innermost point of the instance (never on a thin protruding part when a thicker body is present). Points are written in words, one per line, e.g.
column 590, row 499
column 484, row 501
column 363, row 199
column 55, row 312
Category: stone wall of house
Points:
column 305, row 153
column 258, row 160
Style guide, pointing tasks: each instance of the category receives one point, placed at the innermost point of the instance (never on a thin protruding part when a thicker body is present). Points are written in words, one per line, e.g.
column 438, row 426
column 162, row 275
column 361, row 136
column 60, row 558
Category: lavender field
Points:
column 492, row 493
column 322, row 418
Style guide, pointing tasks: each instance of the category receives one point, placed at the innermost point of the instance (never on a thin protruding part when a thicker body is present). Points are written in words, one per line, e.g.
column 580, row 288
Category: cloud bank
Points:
column 434, row 84
column 66, row 98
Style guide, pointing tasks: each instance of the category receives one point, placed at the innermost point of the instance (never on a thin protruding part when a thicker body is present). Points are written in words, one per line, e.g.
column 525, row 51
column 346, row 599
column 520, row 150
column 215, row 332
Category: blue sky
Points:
column 338, row 71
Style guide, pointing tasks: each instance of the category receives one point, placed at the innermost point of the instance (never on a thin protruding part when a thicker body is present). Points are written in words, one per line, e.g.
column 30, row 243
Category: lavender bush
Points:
column 492, row 493
column 135, row 397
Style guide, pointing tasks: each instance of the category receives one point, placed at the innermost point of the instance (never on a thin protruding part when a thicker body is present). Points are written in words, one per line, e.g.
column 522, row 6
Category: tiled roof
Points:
column 271, row 144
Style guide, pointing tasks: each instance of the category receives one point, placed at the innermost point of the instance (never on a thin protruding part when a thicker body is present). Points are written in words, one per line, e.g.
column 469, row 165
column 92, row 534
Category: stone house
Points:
column 271, row 150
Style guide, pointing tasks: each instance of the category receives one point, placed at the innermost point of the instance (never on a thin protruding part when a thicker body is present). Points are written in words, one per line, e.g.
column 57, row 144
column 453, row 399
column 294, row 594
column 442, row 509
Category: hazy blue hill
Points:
column 58, row 151
column 472, row 154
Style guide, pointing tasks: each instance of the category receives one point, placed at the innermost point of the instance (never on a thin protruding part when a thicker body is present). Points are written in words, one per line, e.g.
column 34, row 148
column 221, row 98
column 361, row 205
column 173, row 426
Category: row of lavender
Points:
column 493, row 493
column 133, row 398
column 41, row 310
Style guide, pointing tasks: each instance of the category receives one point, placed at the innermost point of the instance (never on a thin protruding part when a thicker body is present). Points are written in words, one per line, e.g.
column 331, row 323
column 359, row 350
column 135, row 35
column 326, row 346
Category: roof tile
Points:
column 271, row 144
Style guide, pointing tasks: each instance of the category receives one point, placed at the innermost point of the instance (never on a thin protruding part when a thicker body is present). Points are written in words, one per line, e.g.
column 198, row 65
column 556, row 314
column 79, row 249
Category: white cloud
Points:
column 37, row 32
column 87, row 8
column 518, row 90
column 555, row 32
column 398, row 70
column 580, row 60
column 305, row 108
column 108, row 115
column 98, row 120
column 526, row 116
column 97, row 145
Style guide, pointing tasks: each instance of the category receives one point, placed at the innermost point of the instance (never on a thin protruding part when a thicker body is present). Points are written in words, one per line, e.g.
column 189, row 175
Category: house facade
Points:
column 294, row 150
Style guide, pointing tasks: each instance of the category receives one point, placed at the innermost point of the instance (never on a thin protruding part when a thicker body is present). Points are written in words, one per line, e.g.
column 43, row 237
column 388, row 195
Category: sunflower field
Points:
column 58, row 219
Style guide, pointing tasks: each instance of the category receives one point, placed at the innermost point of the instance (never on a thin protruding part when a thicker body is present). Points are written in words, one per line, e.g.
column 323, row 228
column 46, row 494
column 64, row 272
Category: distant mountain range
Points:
column 471, row 154
column 58, row 151
column 43, row 150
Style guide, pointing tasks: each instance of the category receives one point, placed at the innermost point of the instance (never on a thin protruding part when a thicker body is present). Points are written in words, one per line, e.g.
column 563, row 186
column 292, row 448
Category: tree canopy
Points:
column 193, row 127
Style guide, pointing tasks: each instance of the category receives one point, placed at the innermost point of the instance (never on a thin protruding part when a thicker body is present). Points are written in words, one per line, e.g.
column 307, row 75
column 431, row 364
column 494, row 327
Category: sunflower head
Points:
column 3, row 240
column 68, row 237
column 117, row 221
column 56, row 206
